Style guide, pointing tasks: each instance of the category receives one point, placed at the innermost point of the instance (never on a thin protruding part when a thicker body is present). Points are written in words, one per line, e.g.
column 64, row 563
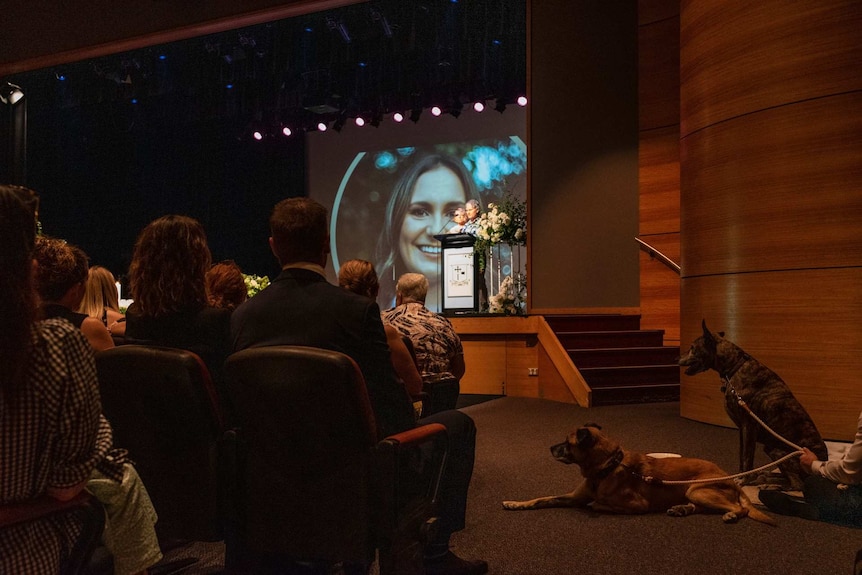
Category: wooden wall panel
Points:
column 660, row 298
column 777, row 189
column 658, row 159
column 744, row 56
column 650, row 11
column 658, row 74
column 486, row 365
column 801, row 324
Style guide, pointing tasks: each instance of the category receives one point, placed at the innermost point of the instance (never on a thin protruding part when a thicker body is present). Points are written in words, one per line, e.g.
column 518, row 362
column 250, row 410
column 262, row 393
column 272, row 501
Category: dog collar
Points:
column 610, row 464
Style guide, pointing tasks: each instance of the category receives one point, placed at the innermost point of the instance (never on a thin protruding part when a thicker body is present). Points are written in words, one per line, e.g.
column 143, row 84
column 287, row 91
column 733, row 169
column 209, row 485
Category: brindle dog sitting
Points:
column 621, row 481
column 766, row 395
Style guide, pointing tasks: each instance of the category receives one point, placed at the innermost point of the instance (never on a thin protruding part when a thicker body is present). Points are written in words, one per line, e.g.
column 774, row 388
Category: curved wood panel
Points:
column 659, row 289
column 801, row 324
column 777, row 189
column 650, row 11
column 744, row 56
column 658, row 74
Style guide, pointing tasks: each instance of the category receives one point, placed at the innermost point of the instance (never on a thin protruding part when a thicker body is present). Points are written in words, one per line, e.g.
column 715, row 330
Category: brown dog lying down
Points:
column 621, row 481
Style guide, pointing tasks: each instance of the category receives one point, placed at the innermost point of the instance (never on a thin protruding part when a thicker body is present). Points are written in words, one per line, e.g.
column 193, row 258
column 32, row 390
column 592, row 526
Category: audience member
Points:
column 226, row 286
column 167, row 280
column 359, row 277
column 53, row 440
column 301, row 308
column 833, row 490
column 438, row 348
column 101, row 300
column 61, row 277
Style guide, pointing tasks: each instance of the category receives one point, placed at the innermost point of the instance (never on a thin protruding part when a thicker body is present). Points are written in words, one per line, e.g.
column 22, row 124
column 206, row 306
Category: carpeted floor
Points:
column 513, row 462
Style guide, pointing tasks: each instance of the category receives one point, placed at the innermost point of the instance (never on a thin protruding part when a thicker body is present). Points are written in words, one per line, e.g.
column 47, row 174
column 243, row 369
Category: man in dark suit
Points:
column 301, row 308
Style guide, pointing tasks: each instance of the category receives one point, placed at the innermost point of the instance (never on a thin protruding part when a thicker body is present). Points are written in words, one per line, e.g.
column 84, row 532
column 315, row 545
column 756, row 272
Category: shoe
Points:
column 451, row 564
column 783, row 504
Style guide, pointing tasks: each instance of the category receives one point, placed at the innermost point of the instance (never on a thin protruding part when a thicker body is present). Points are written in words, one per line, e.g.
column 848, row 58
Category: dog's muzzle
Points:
column 560, row 452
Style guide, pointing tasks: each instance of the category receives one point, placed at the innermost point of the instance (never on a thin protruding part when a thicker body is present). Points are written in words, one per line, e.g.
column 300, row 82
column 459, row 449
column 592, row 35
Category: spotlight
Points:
column 10, row 93
column 321, row 126
column 286, row 131
column 522, row 101
column 398, row 117
column 479, row 106
column 436, row 110
column 360, row 121
column 257, row 135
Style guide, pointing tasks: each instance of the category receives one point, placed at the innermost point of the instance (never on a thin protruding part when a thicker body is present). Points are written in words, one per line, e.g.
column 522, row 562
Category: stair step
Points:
column 632, row 375
column 620, row 356
column 607, row 339
column 593, row 322
column 634, row 394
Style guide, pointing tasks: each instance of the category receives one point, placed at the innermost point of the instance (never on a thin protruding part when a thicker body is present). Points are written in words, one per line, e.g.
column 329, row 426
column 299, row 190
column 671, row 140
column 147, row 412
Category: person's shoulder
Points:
column 54, row 329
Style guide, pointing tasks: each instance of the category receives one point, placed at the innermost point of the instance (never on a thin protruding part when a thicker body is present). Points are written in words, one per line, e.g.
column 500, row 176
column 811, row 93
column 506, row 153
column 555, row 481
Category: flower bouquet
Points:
column 503, row 223
column 508, row 300
column 254, row 284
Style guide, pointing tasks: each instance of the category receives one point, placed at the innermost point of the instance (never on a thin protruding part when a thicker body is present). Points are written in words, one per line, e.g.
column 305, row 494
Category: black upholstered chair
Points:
column 84, row 508
column 164, row 410
column 314, row 482
column 438, row 393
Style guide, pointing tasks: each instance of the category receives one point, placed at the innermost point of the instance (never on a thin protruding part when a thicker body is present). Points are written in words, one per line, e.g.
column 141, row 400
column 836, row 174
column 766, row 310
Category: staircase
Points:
column 619, row 361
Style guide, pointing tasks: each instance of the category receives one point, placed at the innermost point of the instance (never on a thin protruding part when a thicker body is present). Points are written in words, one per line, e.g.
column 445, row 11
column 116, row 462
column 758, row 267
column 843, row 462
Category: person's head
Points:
column 411, row 288
column 61, row 271
column 422, row 204
column 225, row 285
column 472, row 209
column 298, row 232
column 18, row 213
column 460, row 216
column 359, row 277
column 169, row 264
column 100, row 292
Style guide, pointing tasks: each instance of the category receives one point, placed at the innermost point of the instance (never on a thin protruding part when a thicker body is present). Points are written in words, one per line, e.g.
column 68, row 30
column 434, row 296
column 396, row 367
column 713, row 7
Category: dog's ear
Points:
column 585, row 438
column 596, row 425
column 708, row 338
column 721, row 334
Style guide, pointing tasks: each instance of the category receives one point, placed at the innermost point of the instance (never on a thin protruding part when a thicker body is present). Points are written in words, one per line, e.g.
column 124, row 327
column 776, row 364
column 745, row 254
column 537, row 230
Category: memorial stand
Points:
column 459, row 275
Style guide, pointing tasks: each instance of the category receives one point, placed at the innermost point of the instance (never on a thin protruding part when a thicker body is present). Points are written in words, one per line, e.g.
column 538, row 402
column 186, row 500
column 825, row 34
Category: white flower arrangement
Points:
column 508, row 299
column 254, row 284
column 503, row 223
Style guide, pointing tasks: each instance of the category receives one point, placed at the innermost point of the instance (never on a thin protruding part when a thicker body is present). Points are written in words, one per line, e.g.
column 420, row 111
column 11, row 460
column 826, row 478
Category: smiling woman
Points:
column 421, row 206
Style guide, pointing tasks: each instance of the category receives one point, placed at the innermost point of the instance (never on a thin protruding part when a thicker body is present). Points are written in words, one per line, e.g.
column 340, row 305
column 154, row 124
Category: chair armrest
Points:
column 417, row 435
column 14, row 513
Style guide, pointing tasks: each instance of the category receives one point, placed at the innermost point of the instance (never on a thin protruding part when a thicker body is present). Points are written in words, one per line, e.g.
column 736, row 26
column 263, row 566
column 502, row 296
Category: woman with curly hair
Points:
column 225, row 285
column 167, row 278
column 421, row 206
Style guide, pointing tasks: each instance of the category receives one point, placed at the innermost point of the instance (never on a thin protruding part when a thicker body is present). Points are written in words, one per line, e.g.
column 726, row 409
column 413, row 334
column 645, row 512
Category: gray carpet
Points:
column 513, row 462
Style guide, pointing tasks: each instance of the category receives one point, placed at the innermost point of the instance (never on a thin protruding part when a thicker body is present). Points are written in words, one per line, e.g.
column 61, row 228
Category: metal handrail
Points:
column 654, row 253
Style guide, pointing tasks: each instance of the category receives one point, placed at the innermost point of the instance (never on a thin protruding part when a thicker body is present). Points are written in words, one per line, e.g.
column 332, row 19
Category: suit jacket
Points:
column 301, row 308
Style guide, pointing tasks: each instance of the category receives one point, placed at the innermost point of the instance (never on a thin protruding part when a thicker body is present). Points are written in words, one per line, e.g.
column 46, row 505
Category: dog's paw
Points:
column 514, row 505
column 730, row 517
column 681, row 510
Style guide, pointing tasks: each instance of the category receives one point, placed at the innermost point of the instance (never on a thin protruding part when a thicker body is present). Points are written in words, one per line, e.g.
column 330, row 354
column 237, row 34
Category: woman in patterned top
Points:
column 53, row 439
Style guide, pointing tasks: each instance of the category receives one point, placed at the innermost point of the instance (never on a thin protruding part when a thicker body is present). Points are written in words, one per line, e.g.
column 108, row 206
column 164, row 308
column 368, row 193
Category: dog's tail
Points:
column 754, row 512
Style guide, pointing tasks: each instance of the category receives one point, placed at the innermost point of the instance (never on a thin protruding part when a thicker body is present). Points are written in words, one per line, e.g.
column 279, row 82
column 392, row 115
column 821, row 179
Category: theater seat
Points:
column 164, row 410
column 315, row 485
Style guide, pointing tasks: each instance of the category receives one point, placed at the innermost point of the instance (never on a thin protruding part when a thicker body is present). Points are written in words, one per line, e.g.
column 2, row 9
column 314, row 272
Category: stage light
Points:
column 398, row 117
column 479, row 106
column 10, row 94
column 522, row 101
column 321, row 127
column 257, row 135
column 436, row 110
column 360, row 121
column 286, row 131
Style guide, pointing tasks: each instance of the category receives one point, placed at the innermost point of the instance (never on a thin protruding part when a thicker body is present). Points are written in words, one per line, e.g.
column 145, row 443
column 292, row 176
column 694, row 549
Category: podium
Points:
column 459, row 274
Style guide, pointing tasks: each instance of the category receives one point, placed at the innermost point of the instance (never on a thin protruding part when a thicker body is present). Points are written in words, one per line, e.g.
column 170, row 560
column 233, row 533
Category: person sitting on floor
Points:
column 301, row 308
column 61, row 277
column 833, row 490
column 102, row 301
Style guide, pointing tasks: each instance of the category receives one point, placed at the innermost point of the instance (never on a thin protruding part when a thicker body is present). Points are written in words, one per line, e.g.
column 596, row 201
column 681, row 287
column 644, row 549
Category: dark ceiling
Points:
column 371, row 58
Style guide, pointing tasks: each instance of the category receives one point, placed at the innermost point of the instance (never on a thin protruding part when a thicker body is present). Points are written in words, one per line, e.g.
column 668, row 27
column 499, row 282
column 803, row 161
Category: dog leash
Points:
column 743, row 405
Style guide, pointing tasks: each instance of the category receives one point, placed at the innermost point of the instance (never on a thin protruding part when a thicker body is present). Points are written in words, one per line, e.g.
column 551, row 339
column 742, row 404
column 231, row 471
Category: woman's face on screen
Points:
column 436, row 196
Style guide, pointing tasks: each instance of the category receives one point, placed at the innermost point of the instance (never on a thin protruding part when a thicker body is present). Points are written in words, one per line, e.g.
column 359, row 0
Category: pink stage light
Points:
column 479, row 106
column 360, row 121
column 436, row 111
column 522, row 101
column 321, row 126
column 257, row 135
column 398, row 117
column 286, row 131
